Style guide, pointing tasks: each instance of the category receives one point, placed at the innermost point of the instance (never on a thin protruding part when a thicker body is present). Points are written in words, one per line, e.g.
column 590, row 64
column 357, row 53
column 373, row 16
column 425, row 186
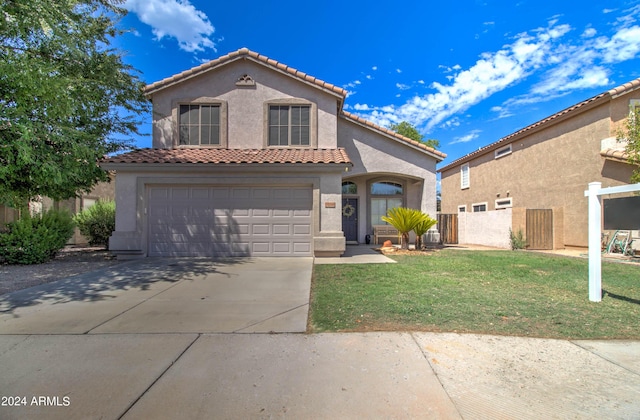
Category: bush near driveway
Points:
column 35, row 239
column 486, row 292
column 97, row 222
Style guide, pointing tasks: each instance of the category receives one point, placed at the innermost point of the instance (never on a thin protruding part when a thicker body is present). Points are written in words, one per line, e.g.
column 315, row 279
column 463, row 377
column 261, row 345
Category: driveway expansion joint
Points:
column 173, row 362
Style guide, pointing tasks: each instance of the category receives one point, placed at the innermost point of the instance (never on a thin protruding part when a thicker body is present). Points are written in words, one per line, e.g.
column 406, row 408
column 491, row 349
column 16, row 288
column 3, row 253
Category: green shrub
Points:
column 97, row 222
column 517, row 240
column 35, row 239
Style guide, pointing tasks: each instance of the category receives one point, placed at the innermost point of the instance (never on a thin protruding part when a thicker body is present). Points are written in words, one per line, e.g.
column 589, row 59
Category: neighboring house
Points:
column 547, row 165
column 101, row 191
column 252, row 157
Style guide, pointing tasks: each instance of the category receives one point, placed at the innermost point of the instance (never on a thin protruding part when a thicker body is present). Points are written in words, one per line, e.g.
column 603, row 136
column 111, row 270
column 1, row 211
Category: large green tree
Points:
column 631, row 135
column 66, row 96
column 406, row 129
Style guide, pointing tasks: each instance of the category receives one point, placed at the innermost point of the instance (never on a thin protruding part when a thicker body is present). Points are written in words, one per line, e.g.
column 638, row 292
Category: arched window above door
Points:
column 386, row 188
column 349, row 187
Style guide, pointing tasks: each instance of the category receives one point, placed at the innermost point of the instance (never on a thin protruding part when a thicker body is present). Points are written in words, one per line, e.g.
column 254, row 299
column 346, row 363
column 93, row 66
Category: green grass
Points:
column 493, row 292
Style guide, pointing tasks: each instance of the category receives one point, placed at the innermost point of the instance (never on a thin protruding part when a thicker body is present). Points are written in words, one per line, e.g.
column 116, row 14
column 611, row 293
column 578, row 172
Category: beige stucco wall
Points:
column 377, row 157
column 550, row 168
column 245, row 105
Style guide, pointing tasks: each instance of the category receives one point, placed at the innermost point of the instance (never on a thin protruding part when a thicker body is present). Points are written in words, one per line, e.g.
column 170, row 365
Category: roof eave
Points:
column 245, row 54
column 439, row 156
column 531, row 129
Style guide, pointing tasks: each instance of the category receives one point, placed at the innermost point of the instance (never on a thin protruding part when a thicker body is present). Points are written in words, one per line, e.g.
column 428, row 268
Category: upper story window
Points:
column 199, row 125
column 349, row 187
column 464, row 176
column 289, row 125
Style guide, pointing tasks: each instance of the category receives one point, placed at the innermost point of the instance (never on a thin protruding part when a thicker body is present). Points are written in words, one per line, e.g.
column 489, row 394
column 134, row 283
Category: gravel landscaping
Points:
column 70, row 261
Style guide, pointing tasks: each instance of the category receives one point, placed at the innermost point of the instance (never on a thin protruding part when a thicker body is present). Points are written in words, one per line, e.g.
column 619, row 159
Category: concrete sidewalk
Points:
column 321, row 376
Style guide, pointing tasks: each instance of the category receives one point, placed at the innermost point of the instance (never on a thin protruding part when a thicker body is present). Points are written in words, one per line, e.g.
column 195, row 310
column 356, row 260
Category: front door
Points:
column 350, row 219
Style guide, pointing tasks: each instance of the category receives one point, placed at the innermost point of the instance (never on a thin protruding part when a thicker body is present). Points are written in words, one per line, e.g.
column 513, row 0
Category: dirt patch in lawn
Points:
column 390, row 251
column 70, row 261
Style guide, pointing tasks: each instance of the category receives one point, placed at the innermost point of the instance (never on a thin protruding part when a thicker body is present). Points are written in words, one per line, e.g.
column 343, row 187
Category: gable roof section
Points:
column 438, row 155
column 549, row 121
column 231, row 156
column 245, row 53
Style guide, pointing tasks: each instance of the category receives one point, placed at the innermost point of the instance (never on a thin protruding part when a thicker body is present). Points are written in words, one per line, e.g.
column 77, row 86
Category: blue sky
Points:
column 466, row 73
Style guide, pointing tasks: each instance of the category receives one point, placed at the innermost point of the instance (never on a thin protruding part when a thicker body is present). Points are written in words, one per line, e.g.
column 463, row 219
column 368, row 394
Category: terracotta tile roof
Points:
column 552, row 119
column 231, row 156
column 435, row 153
column 239, row 54
column 619, row 155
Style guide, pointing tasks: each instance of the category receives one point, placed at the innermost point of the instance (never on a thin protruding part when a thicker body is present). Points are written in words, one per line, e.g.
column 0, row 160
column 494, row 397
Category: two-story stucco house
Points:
column 252, row 157
column 547, row 165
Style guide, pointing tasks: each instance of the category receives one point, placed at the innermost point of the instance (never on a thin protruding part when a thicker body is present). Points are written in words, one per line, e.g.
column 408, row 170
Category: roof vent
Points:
column 245, row 80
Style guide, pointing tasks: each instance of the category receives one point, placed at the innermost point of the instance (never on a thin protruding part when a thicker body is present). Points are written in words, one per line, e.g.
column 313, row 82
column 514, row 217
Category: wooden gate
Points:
column 539, row 229
column 448, row 228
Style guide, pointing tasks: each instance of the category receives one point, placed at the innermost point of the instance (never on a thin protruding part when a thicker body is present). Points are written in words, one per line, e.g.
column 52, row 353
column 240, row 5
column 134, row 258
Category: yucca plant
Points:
column 405, row 220
column 421, row 228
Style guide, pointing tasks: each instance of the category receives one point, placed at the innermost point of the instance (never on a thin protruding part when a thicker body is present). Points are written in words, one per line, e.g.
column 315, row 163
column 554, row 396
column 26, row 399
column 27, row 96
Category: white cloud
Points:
column 361, row 107
column 589, row 33
column 398, row 71
column 374, row 68
column 402, row 86
column 177, row 19
column 560, row 63
column 474, row 134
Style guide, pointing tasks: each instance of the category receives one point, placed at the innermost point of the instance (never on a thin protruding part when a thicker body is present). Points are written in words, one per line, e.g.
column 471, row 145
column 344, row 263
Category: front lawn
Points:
column 488, row 292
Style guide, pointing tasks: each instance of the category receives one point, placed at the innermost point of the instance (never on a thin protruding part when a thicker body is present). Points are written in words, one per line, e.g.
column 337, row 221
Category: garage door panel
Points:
column 180, row 193
column 281, row 229
column 301, row 230
column 260, row 229
column 229, row 221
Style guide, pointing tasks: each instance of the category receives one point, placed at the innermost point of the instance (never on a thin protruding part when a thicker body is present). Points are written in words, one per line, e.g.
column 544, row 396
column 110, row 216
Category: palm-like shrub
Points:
column 421, row 228
column 405, row 220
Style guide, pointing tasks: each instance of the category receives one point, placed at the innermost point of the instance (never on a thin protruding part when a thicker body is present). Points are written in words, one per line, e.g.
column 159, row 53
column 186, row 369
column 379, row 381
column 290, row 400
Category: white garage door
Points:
column 229, row 221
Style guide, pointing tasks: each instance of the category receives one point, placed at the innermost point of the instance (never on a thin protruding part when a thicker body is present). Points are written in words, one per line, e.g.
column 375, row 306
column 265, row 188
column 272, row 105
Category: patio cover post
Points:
column 595, row 233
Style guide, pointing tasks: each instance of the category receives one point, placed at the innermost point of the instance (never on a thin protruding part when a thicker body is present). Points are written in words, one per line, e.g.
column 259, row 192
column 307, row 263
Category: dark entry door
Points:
column 350, row 218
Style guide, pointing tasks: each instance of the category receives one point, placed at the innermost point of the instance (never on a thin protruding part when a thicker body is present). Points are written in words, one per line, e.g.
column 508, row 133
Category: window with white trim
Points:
column 464, row 176
column 479, row 207
column 503, row 203
column 503, row 151
column 289, row 125
column 199, row 125
column 462, row 209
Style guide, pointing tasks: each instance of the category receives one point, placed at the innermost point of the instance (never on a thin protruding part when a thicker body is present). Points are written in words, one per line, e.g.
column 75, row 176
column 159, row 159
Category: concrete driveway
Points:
column 241, row 295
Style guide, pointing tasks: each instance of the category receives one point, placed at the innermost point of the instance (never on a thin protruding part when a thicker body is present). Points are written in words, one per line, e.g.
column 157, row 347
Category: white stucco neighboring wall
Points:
column 489, row 228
